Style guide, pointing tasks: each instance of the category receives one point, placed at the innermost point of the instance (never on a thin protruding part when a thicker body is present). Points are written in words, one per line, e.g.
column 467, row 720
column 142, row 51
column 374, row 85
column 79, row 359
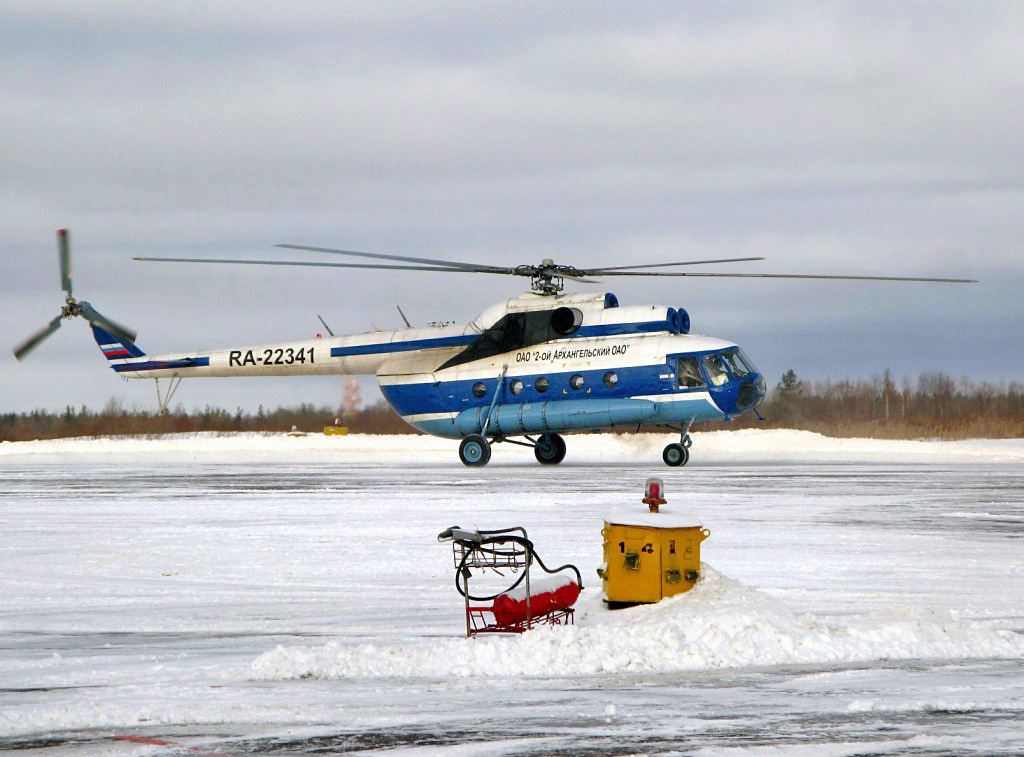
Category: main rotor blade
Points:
column 599, row 271
column 328, row 265
column 580, row 279
column 33, row 341
column 401, row 258
column 65, row 260
column 794, row 276
column 92, row 315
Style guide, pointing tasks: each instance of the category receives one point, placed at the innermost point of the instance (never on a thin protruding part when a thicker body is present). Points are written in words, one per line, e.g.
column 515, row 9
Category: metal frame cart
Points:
column 506, row 549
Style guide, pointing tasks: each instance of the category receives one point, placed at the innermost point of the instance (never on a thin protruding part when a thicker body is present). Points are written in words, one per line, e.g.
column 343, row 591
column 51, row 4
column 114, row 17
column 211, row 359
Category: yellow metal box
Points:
column 649, row 556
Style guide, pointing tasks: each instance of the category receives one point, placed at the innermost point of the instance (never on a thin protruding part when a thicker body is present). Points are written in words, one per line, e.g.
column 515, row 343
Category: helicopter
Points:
column 525, row 371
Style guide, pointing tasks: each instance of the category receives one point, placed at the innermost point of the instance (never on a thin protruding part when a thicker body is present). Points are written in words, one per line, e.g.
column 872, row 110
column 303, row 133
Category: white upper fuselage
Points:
column 418, row 350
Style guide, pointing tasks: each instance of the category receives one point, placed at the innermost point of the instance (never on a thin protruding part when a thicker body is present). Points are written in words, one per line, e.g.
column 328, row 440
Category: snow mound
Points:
column 719, row 624
column 714, row 447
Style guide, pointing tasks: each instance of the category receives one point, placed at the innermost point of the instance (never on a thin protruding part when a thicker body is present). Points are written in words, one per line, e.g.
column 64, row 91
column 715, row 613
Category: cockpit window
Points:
column 689, row 373
column 734, row 359
column 715, row 367
column 746, row 360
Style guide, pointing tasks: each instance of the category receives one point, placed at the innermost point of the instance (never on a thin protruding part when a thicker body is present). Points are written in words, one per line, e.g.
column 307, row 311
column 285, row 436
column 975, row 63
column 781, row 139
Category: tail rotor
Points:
column 72, row 307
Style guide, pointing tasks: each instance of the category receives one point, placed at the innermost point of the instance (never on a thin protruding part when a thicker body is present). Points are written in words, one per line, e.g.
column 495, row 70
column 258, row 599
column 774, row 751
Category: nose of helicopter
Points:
column 740, row 395
column 736, row 385
column 751, row 392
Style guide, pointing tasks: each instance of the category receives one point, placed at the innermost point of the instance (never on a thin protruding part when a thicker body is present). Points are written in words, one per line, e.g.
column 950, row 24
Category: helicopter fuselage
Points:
column 530, row 365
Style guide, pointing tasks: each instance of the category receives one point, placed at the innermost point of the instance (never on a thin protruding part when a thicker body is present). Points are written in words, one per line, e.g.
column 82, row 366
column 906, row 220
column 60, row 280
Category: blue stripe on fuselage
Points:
column 611, row 329
column 618, row 329
column 457, row 395
column 408, row 346
column 158, row 365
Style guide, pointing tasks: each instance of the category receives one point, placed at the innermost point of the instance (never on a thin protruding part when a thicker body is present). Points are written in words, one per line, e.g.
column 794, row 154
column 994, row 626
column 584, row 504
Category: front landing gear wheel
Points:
column 474, row 450
column 675, row 455
column 549, row 449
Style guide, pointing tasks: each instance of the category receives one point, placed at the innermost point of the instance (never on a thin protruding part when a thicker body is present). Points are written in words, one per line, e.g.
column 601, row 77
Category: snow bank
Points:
column 213, row 447
column 719, row 624
column 744, row 446
column 755, row 445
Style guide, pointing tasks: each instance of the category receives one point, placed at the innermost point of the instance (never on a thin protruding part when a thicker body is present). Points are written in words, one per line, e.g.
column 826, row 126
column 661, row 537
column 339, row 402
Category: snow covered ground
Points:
column 245, row 593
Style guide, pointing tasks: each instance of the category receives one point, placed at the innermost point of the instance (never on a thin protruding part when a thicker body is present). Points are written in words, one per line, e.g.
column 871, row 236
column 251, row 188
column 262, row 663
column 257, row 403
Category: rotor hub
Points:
column 545, row 280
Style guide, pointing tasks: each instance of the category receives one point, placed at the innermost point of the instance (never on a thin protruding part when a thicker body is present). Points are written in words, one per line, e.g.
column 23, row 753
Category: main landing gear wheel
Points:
column 474, row 450
column 549, row 449
column 675, row 455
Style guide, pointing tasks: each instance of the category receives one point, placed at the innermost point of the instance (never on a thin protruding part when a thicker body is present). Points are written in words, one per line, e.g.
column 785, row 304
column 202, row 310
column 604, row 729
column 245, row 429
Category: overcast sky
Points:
column 859, row 138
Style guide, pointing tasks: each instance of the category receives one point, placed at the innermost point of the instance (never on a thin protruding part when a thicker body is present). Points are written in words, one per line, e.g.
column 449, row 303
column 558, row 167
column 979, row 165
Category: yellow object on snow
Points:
column 335, row 430
column 649, row 556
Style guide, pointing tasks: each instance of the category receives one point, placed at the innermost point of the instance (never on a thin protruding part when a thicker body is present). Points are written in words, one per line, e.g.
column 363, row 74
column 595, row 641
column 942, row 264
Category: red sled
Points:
column 551, row 602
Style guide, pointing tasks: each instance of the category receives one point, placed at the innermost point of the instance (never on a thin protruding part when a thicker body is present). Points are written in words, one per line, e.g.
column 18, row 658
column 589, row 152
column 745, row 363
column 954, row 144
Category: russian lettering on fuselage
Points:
column 539, row 356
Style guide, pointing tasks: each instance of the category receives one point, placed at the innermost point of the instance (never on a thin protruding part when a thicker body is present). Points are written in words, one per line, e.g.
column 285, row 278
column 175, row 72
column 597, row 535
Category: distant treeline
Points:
column 935, row 406
column 117, row 420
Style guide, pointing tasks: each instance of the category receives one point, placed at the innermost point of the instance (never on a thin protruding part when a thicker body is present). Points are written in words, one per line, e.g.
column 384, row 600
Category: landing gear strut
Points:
column 163, row 400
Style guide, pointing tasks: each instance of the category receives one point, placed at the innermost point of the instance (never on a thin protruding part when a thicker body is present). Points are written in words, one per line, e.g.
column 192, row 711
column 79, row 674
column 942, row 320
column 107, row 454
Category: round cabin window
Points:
column 541, row 384
column 479, row 389
column 576, row 381
column 611, row 379
column 516, row 387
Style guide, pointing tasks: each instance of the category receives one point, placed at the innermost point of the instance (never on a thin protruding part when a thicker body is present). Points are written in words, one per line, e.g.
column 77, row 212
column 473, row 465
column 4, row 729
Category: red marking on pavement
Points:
column 162, row 742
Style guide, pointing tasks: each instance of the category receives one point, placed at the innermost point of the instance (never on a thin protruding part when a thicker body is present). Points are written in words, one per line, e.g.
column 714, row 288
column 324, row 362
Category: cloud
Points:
column 839, row 138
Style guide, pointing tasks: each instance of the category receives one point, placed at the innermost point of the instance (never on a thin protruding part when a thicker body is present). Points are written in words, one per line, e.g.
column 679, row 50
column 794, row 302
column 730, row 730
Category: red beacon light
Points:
column 654, row 494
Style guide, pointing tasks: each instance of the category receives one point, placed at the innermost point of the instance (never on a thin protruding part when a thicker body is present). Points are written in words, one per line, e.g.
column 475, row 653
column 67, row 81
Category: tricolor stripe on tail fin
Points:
column 112, row 347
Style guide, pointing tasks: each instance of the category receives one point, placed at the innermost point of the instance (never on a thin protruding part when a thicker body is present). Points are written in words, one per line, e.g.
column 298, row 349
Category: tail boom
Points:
column 351, row 355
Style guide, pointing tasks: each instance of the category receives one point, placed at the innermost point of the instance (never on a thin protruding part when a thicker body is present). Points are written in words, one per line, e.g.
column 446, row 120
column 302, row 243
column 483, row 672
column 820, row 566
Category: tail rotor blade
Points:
column 65, row 260
column 33, row 341
column 94, row 316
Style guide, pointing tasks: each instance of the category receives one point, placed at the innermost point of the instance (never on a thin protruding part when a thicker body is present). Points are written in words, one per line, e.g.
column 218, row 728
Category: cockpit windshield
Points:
column 727, row 375
column 734, row 358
